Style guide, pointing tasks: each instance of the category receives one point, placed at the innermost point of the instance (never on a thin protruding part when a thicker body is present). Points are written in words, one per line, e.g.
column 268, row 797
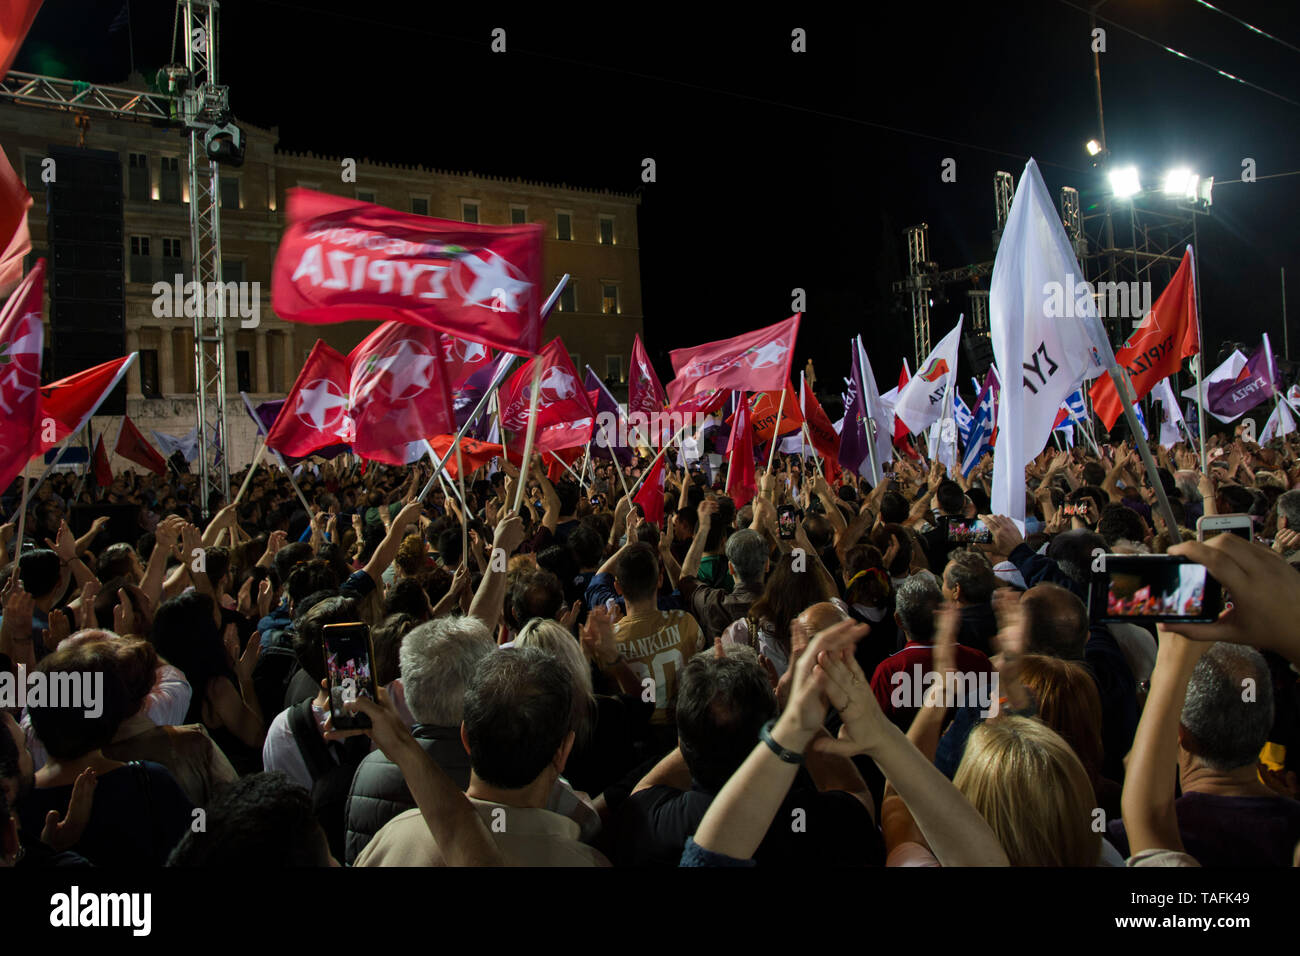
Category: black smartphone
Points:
column 595, row 501
column 1153, row 587
column 349, row 665
column 786, row 518
column 967, row 531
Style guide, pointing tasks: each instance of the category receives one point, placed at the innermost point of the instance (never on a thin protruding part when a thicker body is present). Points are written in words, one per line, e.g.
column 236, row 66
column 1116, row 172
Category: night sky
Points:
column 775, row 169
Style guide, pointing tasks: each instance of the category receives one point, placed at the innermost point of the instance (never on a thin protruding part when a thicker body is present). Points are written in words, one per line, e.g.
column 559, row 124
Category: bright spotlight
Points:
column 1177, row 182
column 1093, row 147
column 1124, row 182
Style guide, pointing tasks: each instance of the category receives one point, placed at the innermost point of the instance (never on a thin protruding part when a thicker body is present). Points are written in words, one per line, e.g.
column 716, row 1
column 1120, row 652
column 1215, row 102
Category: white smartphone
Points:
column 1207, row 526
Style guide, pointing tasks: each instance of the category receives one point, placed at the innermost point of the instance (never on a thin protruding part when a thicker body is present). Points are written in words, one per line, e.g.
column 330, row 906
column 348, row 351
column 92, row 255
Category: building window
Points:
column 275, row 362
column 569, row 298
column 138, row 184
column 420, row 205
column 169, row 181
column 244, row 369
column 564, row 226
column 469, row 210
column 614, row 368
column 609, row 299
column 141, row 263
column 232, row 270
column 366, row 195
column 606, row 230
column 229, row 192
column 172, row 265
column 518, row 215
column 149, row 373
column 32, row 170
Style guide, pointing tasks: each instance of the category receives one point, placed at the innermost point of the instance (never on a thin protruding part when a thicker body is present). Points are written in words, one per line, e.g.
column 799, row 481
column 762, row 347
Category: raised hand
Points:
column 64, row 834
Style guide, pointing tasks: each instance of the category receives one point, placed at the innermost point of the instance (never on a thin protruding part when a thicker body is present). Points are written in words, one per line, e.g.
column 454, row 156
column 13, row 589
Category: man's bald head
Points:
column 1056, row 622
column 819, row 616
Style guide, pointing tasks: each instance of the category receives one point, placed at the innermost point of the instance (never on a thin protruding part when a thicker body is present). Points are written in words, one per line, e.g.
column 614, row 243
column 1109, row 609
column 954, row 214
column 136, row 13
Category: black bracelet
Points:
column 765, row 735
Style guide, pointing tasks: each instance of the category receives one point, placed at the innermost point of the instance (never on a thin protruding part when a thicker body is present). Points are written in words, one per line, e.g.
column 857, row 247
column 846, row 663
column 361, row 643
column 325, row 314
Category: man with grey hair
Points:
column 438, row 659
column 1226, row 816
column 969, row 582
column 899, row 680
column 747, row 561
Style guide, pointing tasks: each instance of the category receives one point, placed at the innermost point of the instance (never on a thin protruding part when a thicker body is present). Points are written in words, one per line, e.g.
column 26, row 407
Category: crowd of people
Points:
column 570, row 684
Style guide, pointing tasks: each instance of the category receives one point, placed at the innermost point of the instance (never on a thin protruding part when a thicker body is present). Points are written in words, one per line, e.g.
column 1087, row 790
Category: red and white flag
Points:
column 397, row 394
column 22, row 339
column 68, row 403
column 462, row 358
column 342, row 259
column 1156, row 349
column 755, row 361
column 644, row 393
column 564, row 414
column 103, row 471
column 133, row 446
column 15, row 238
column 315, row 412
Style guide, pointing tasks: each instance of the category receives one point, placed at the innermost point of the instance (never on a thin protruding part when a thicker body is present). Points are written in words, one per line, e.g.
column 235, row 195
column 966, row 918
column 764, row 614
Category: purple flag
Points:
column 1253, row 384
column 854, row 454
column 609, row 422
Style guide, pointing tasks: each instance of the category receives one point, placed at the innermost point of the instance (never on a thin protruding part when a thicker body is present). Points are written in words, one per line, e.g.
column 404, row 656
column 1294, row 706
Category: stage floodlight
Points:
column 1093, row 147
column 1206, row 188
column 225, row 144
column 1176, row 182
column 1124, row 182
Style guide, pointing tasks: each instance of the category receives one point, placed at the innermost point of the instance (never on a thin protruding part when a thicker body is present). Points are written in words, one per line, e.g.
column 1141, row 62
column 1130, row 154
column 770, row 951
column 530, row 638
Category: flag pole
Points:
column 1200, row 347
column 464, row 508
column 1124, row 388
column 22, row 522
column 473, row 416
column 530, row 432
column 654, row 461
column 776, row 429
column 257, row 459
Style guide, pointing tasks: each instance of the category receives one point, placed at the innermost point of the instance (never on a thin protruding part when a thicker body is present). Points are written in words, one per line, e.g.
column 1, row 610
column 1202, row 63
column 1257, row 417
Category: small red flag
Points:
column 763, row 409
column 103, row 470
column 741, row 482
column 474, row 453
column 133, row 446
column 22, row 339
column 644, row 393
column 651, row 495
column 69, row 402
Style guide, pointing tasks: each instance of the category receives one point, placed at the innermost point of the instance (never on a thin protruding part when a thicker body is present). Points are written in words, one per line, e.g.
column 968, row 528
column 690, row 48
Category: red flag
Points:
column 133, row 446
column 397, row 393
column 315, row 412
column 1157, row 347
column 462, row 359
column 22, row 338
column 474, row 453
column 15, row 238
column 103, row 470
column 701, row 403
column 741, row 483
column 825, row 439
column 556, row 460
column 564, row 415
column 751, row 362
column 342, row 259
column 651, row 494
column 69, row 402
column 644, row 393
column 763, row 409
column 16, row 18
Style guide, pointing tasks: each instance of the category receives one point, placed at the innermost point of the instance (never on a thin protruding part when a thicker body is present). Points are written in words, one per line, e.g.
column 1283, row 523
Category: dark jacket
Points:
column 716, row 608
column 379, row 792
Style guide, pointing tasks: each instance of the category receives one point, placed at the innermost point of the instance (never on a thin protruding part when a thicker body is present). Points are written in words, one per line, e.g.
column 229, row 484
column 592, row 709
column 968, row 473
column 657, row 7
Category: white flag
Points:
column 1171, row 415
column 1227, row 371
column 879, row 415
column 926, row 396
column 187, row 445
column 1038, row 325
column 1280, row 423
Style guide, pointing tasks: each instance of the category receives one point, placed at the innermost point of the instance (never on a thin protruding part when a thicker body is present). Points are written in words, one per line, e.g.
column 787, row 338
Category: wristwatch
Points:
column 765, row 735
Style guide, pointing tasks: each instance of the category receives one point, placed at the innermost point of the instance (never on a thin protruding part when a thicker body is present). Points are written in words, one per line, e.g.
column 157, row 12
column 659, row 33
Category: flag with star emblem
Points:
column 22, row 338
column 1158, row 346
column 565, row 418
column 753, row 362
column 342, row 259
column 463, row 359
column 644, row 393
column 397, row 393
column 315, row 412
